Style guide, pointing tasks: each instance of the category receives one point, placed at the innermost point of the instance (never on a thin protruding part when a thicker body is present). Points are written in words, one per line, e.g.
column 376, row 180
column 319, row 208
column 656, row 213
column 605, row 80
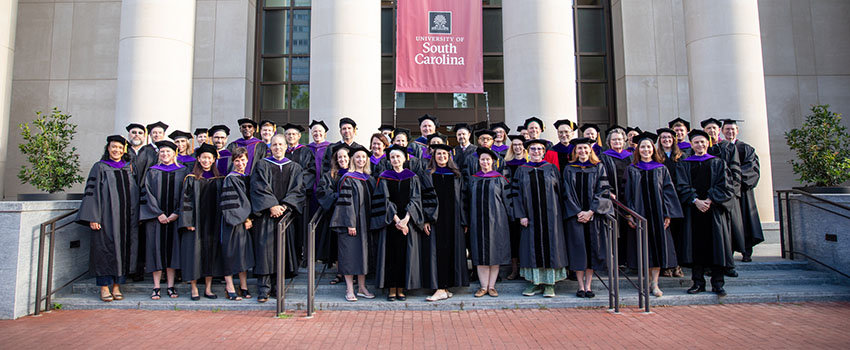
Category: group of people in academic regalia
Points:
column 414, row 212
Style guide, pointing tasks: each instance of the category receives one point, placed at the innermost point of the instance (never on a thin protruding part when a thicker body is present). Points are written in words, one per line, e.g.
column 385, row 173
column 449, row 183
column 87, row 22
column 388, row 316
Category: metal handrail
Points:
column 282, row 226
column 786, row 227
column 311, row 261
column 641, row 228
column 48, row 228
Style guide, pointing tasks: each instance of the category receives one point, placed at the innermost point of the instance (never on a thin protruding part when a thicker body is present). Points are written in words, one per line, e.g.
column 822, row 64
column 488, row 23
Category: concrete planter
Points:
column 19, row 234
column 819, row 233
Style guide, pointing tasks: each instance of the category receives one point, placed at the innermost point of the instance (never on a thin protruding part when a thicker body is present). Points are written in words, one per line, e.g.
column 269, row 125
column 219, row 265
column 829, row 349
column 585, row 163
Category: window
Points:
column 594, row 62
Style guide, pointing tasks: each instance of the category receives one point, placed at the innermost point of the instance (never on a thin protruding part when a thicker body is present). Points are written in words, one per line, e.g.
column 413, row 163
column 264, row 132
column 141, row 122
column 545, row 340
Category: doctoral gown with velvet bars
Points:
column 200, row 250
column 256, row 148
column 489, row 211
column 585, row 187
column 326, row 160
column 303, row 156
column 706, row 237
column 509, row 171
column 615, row 167
column 112, row 200
column 275, row 182
column 559, row 155
column 237, row 248
column 353, row 210
column 471, row 167
column 327, row 194
column 650, row 192
column 675, row 224
column 750, row 174
column 399, row 262
column 379, row 165
column 146, row 157
column 418, row 147
column 459, row 155
column 447, row 219
column 537, row 196
column 162, row 193
column 727, row 151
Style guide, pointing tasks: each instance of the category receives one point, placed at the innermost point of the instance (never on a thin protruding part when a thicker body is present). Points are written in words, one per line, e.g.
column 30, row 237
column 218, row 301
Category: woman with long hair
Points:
column 378, row 161
column 110, row 208
column 651, row 193
column 515, row 157
column 236, row 221
column 585, row 195
column 670, row 155
column 200, row 231
column 616, row 159
column 185, row 150
column 327, row 194
column 161, row 199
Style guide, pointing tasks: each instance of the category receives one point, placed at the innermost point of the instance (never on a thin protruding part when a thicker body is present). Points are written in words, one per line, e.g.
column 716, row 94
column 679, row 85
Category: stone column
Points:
column 540, row 71
column 8, row 19
column 155, row 58
column 345, row 65
column 726, row 76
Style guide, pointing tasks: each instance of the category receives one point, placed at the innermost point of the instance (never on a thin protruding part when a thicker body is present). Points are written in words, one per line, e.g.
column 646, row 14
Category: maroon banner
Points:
column 439, row 46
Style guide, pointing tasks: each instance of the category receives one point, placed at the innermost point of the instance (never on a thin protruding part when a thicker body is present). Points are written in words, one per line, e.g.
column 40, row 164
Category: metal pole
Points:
column 615, row 249
column 610, row 259
column 311, row 265
column 38, row 274
column 790, row 226
column 49, row 290
column 641, row 276
column 487, row 104
column 646, row 264
column 395, row 108
column 782, row 227
column 281, row 266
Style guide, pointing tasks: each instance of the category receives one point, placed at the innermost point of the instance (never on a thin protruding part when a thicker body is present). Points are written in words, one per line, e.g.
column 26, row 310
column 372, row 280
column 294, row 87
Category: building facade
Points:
column 195, row 63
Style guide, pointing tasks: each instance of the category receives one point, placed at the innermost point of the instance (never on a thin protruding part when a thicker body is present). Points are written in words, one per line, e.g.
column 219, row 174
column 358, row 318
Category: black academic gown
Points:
column 275, row 183
column 471, row 165
column 676, row 224
column 489, row 211
column 706, row 237
column 112, row 200
column 303, row 156
column 353, row 210
column 162, row 193
column 327, row 194
column 146, row 157
column 379, row 165
column 727, row 151
column 750, row 174
column 237, row 247
column 459, row 155
column 417, row 147
column 256, row 148
column 585, row 187
column 447, row 240
column 399, row 263
column 537, row 196
column 510, row 169
column 200, row 249
column 650, row 192
column 615, row 167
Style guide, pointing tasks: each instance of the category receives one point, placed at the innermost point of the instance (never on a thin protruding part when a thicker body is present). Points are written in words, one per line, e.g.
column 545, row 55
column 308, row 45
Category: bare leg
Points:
column 228, row 280
column 494, row 274
column 116, row 289
column 588, row 279
column 156, row 276
column 483, row 276
column 208, row 285
column 169, row 277
column 194, row 285
column 580, row 277
column 243, row 280
column 514, row 269
column 361, row 285
column 349, row 286
column 653, row 272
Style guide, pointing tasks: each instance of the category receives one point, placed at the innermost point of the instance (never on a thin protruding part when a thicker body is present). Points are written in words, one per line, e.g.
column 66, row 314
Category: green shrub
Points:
column 52, row 166
column 822, row 146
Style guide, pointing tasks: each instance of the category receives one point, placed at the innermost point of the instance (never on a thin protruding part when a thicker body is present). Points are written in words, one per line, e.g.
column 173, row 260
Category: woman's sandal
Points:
column 350, row 297
column 155, row 295
column 233, row 296
column 172, row 292
column 401, row 297
column 337, row 279
column 366, row 296
column 245, row 293
column 107, row 297
column 118, row 296
column 443, row 296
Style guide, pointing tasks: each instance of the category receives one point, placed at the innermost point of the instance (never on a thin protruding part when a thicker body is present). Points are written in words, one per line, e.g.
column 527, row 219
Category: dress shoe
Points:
column 719, row 291
column 580, row 293
column 747, row 259
column 731, row 273
column 696, row 289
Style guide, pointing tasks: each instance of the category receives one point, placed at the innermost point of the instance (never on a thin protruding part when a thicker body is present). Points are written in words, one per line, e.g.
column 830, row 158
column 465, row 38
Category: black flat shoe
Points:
column 390, row 297
column 747, row 259
column 589, row 294
column 210, row 296
column 696, row 289
column 232, row 296
column 731, row 273
column 719, row 291
column 401, row 297
column 196, row 298
column 245, row 293
column 262, row 298
column 580, row 294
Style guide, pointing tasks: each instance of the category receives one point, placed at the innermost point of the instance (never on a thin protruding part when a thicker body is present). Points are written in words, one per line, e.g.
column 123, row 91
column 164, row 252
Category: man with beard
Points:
column 750, row 174
column 219, row 134
column 727, row 151
column 348, row 130
column 256, row 148
column 302, row 155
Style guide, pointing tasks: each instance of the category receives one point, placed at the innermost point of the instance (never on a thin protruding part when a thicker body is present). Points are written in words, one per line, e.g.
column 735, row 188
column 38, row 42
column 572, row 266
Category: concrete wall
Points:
column 66, row 56
column 805, row 63
column 19, row 234
column 811, row 225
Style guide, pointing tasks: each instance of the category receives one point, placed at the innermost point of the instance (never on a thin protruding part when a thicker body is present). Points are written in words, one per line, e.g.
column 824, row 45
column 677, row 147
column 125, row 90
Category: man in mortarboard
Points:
column 703, row 184
column 318, row 133
column 727, row 151
column 522, row 131
column 559, row 154
column 256, row 147
column 681, row 127
column 302, row 155
column 485, row 139
column 464, row 147
column 219, row 134
column 347, row 130
column 202, row 136
column 750, row 175
column 534, row 127
column 593, row 132
column 136, row 136
column 428, row 125
column 267, row 129
column 630, row 137
column 387, row 131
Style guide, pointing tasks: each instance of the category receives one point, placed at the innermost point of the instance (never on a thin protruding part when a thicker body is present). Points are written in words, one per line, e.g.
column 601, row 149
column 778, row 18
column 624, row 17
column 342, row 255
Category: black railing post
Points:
column 790, row 225
column 39, row 270
column 52, row 233
column 609, row 258
column 641, row 276
column 311, row 264
column 280, row 293
column 782, row 227
column 646, row 273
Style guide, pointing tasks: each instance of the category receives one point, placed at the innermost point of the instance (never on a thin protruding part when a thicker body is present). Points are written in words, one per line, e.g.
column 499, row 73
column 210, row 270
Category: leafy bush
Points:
column 52, row 167
column 823, row 148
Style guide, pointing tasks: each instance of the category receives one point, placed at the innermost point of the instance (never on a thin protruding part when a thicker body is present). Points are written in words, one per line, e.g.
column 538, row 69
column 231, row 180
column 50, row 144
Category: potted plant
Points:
column 822, row 148
column 52, row 167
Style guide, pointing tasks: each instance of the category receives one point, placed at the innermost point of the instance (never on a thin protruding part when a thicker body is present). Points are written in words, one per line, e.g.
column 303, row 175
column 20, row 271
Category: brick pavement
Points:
column 731, row 326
